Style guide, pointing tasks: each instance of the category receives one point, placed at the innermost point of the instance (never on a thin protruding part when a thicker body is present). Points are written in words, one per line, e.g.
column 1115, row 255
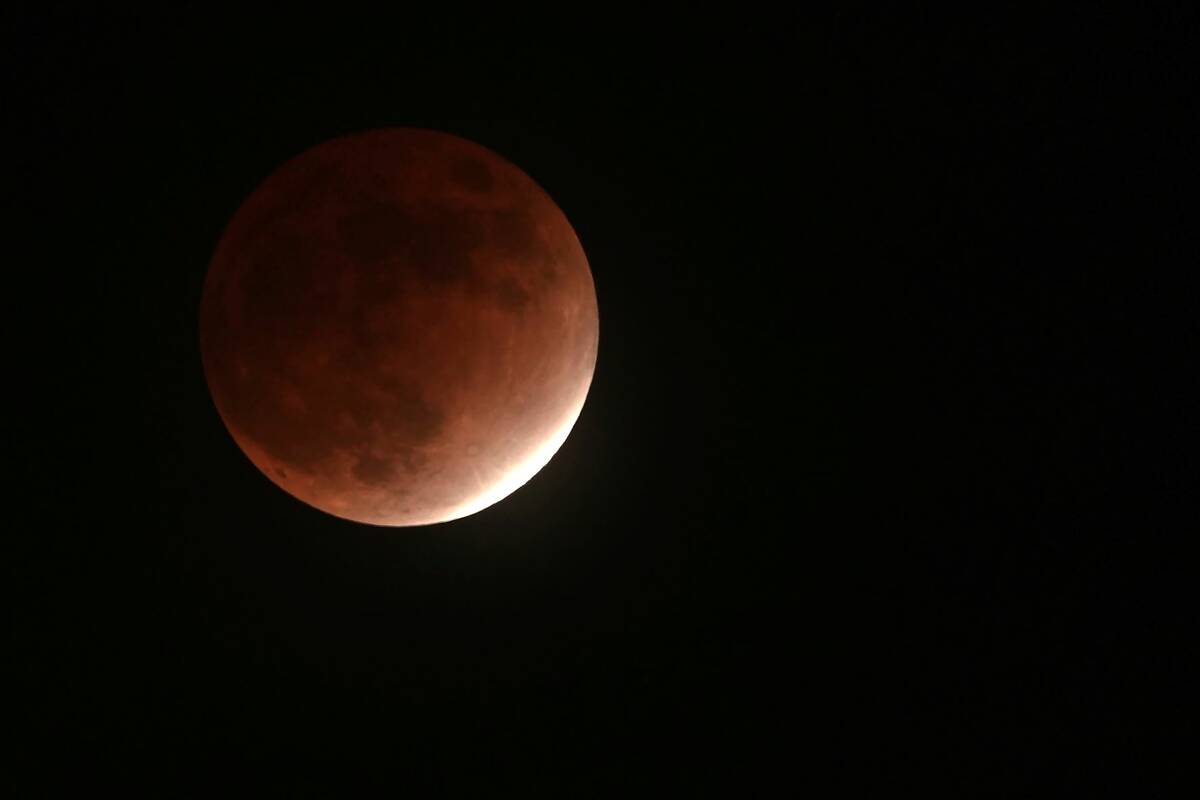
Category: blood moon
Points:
column 399, row 327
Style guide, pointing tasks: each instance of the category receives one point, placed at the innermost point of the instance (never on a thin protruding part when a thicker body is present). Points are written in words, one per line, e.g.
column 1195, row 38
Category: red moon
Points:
column 399, row 327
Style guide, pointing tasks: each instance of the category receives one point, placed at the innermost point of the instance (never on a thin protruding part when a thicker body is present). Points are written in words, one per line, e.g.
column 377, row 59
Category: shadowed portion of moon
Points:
column 399, row 327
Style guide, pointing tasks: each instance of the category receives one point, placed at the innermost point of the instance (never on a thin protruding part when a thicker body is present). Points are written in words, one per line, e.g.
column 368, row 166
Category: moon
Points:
column 399, row 327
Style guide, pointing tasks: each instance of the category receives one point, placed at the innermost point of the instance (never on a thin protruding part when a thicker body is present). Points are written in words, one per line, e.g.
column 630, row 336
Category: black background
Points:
column 879, row 481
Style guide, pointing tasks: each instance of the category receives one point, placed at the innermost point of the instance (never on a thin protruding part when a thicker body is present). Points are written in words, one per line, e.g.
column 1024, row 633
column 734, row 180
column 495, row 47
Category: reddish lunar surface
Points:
column 399, row 327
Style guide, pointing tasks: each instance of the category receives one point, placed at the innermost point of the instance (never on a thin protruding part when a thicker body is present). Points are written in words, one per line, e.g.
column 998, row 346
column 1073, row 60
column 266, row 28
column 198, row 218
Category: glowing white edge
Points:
column 519, row 475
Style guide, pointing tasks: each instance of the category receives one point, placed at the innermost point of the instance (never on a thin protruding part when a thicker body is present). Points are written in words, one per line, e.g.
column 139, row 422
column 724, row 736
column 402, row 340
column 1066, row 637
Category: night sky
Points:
column 877, row 483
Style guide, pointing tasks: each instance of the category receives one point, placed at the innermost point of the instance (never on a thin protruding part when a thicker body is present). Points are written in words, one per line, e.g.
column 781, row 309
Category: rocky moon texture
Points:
column 399, row 327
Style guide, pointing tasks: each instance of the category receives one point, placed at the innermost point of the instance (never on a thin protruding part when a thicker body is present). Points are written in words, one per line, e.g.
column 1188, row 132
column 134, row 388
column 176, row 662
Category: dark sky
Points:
column 879, row 297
